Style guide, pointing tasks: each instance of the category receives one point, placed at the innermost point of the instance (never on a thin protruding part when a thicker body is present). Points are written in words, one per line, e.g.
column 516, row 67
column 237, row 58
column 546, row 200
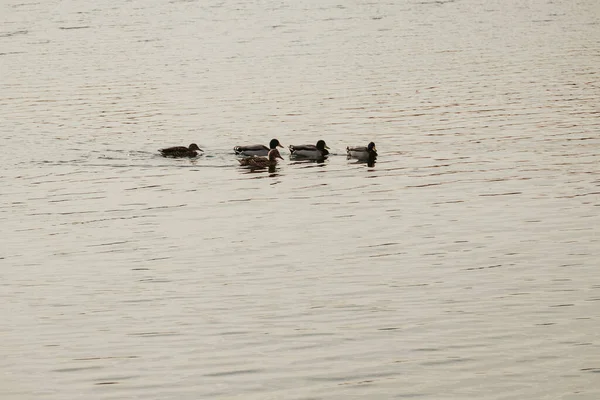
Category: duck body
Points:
column 361, row 152
column 310, row 151
column 181, row 151
column 257, row 149
column 256, row 162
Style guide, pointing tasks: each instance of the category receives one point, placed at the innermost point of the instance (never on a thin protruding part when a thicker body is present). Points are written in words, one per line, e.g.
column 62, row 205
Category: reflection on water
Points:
column 461, row 263
column 370, row 160
column 271, row 170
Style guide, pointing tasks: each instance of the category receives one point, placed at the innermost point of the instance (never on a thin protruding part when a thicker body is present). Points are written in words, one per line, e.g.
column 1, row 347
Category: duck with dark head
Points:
column 362, row 152
column 257, row 149
column 314, row 152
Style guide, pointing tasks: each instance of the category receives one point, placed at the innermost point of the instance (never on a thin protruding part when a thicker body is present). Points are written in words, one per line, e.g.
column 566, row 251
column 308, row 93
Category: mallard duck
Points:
column 362, row 153
column 309, row 150
column 257, row 149
column 181, row 151
column 261, row 162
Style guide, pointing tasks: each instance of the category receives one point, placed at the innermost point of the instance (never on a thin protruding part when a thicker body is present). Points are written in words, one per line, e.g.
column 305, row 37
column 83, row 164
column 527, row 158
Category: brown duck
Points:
column 181, row 151
column 261, row 162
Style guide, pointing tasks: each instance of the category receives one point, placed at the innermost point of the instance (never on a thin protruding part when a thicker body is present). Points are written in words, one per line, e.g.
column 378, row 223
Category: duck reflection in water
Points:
column 257, row 173
column 309, row 163
column 371, row 161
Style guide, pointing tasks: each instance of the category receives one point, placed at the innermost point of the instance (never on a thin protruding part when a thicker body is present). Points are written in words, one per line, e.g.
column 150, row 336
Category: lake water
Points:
column 462, row 265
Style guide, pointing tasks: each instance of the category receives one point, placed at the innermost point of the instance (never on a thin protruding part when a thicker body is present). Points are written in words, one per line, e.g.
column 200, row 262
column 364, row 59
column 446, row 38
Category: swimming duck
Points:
column 257, row 149
column 181, row 151
column 362, row 153
column 309, row 150
column 261, row 162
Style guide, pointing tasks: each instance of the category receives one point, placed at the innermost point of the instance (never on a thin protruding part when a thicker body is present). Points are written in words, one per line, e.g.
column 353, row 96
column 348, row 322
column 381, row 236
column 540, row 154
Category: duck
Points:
column 257, row 149
column 362, row 153
column 309, row 150
column 261, row 162
column 181, row 151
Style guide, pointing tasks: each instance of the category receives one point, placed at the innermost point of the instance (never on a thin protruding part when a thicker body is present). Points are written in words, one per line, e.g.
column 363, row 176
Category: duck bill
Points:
column 279, row 145
column 327, row 147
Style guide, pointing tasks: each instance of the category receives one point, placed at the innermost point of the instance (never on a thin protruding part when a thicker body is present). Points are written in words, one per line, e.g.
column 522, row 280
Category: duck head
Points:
column 274, row 143
column 371, row 148
column 321, row 145
column 194, row 146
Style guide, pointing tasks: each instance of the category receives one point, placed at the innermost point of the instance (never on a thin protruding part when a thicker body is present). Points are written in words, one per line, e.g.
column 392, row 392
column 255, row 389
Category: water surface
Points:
column 462, row 265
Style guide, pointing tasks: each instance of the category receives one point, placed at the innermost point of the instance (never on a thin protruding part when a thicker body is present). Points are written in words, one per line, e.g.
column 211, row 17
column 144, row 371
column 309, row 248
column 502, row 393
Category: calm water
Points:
column 463, row 265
